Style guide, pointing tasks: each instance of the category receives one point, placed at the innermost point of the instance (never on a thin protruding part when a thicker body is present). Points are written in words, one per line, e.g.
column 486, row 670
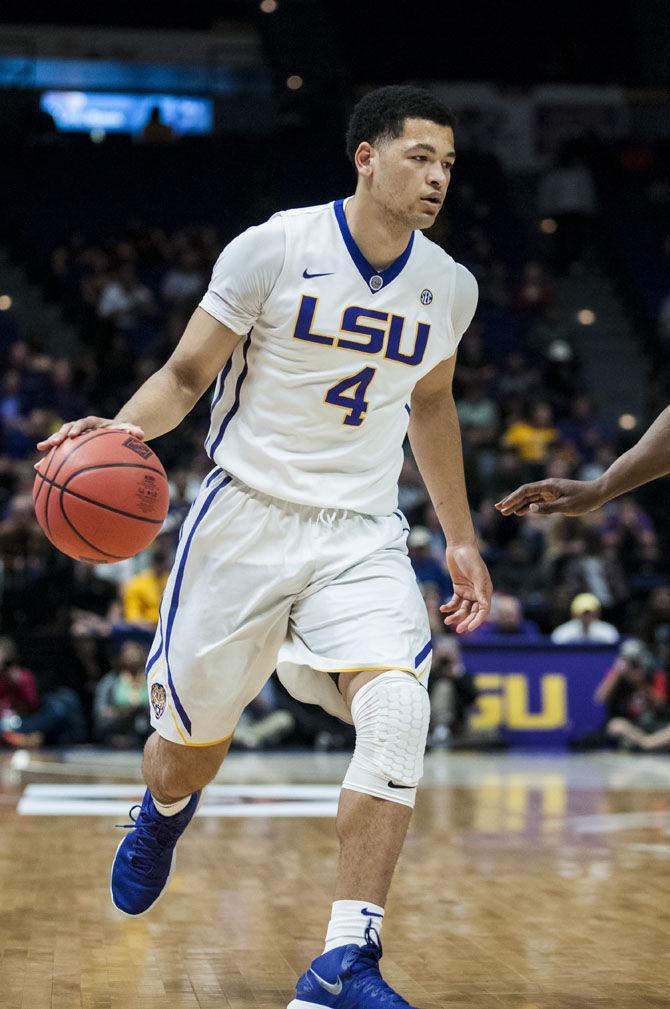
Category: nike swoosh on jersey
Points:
column 334, row 989
column 392, row 784
column 307, row 275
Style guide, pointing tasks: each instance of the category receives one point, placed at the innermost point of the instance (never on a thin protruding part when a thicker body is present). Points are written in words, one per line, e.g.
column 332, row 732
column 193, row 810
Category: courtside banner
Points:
column 537, row 695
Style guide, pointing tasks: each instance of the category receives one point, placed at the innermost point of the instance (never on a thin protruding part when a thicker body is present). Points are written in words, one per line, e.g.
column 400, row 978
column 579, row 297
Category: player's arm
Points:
column 435, row 437
column 647, row 460
column 162, row 402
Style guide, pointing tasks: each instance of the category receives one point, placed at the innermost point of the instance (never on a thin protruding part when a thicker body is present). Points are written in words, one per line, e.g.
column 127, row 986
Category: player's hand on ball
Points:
column 75, row 427
column 469, row 606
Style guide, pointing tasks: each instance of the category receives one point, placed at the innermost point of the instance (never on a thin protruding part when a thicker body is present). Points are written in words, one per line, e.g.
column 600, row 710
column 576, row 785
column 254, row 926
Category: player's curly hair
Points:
column 380, row 115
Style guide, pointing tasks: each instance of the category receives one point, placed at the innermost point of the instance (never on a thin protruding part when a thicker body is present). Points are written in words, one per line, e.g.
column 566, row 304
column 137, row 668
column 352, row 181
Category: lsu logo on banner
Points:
column 504, row 702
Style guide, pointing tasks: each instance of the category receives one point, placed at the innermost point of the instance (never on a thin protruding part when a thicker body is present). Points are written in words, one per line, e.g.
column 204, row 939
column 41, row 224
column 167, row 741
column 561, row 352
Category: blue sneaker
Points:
column 348, row 978
column 145, row 859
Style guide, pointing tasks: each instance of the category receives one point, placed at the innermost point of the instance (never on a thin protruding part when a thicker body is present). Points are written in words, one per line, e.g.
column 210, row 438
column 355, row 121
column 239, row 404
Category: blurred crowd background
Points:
column 107, row 245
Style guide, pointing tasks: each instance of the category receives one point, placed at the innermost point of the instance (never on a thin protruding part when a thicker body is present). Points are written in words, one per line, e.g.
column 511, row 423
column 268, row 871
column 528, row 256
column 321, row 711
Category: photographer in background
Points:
column 25, row 721
column 18, row 690
column 635, row 695
column 452, row 693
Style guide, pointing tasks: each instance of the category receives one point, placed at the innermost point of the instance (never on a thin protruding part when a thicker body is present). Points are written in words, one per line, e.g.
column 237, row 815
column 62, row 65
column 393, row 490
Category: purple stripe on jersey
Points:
column 405, row 528
column 426, row 650
column 220, row 384
column 236, row 405
column 174, row 601
column 213, row 475
column 154, row 657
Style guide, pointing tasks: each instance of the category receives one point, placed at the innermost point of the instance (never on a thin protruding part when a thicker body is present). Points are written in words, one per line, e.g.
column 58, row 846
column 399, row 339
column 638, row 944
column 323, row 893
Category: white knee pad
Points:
column 391, row 715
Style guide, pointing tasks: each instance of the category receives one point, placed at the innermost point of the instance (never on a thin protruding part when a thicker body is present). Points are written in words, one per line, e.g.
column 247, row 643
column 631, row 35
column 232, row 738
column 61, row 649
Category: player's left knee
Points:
column 391, row 715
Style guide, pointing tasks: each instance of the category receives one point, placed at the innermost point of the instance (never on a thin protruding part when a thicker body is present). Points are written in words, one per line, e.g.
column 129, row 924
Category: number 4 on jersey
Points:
column 356, row 404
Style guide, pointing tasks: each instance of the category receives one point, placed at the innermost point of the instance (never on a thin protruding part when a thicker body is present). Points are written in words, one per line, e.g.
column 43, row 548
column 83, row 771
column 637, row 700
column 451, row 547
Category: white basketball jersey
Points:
column 314, row 403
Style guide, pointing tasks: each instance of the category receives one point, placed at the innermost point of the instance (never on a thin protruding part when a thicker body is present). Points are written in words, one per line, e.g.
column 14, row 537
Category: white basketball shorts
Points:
column 260, row 584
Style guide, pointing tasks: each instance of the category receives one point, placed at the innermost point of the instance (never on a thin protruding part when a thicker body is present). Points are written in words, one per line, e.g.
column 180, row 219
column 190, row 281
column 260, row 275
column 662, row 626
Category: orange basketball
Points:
column 101, row 497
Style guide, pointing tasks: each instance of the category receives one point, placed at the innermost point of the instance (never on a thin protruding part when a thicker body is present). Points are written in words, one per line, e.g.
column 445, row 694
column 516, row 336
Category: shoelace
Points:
column 147, row 836
column 366, row 969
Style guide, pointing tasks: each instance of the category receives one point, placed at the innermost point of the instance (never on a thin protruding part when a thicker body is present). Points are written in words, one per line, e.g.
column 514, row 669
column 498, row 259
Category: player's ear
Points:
column 364, row 158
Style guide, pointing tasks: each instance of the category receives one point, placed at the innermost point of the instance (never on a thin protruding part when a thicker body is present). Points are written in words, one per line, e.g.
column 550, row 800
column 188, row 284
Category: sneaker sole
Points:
column 129, row 914
column 298, row 1003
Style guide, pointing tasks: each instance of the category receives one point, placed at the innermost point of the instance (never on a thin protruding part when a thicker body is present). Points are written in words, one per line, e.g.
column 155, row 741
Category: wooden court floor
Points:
column 526, row 883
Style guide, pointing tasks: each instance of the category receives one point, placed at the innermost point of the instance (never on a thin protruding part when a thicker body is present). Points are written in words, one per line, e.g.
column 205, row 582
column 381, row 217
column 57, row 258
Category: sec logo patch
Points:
column 426, row 296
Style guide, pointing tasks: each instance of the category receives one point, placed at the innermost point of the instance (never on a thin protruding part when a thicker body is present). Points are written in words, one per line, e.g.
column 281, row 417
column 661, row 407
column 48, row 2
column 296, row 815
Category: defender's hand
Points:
column 569, row 497
column 75, row 427
column 469, row 606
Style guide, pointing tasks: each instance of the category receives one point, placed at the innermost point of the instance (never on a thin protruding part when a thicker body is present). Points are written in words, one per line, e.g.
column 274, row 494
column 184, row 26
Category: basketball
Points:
column 101, row 497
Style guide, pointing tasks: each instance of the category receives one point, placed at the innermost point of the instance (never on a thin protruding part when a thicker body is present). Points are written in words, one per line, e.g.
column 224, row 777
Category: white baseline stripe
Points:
column 29, row 806
column 111, row 791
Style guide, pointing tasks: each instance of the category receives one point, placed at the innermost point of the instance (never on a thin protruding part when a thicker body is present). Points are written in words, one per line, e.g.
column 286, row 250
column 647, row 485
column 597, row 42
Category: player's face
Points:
column 411, row 173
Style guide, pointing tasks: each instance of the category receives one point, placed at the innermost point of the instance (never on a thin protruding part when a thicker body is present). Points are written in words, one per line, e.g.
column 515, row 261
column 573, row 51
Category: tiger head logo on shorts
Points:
column 158, row 698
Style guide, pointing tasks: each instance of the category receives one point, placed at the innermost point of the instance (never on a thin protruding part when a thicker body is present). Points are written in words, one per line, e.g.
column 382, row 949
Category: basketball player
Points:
column 646, row 461
column 332, row 330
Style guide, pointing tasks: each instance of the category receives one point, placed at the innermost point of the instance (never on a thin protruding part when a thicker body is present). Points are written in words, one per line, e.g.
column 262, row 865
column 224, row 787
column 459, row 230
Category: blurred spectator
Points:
column 582, row 429
column 452, row 692
column 629, row 531
column 433, row 599
column 504, row 476
column 27, row 564
column 121, row 709
column 512, row 568
column 26, row 721
column 473, row 366
column 654, row 626
column 432, row 523
column 517, row 377
column 143, row 592
column 66, row 399
column 507, row 620
column 493, row 288
column 183, row 489
column 265, row 721
column 184, row 283
column 585, row 626
column 478, row 416
column 412, row 494
column 604, row 456
column 533, row 297
column 532, row 437
column 156, row 131
column 561, row 375
column 128, row 304
column 92, row 608
column 594, row 568
column 18, row 689
column 428, row 570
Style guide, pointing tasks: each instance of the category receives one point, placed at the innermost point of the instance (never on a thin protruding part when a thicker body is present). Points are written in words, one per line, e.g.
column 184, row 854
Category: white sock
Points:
column 349, row 920
column 173, row 808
